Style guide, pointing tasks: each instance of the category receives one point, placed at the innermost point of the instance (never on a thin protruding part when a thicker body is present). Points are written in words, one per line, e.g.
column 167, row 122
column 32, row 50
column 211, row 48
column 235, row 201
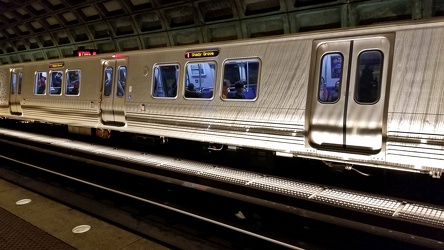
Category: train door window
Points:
column 19, row 90
column 108, row 82
column 13, row 83
column 40, row 83
column 240, row 79
column 72, row 82
column 199, row 80
column 368, row 85
column 330, row 79
column 165, row 81
column 121, row 81
column 55, row 86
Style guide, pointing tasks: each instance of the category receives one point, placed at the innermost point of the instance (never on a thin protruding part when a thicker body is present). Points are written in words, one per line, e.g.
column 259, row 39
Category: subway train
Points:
column 367, row 96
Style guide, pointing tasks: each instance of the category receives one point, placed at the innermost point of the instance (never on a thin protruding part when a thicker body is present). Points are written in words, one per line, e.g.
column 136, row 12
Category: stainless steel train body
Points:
column 386, row 112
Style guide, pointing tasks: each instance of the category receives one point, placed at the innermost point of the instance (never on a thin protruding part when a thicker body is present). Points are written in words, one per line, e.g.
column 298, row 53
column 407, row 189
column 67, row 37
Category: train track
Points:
column 132, row 203
column 266, row 221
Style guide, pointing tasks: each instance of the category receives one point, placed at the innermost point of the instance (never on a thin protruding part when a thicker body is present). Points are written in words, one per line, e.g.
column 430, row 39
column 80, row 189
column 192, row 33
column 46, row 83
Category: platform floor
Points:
column 46, row 224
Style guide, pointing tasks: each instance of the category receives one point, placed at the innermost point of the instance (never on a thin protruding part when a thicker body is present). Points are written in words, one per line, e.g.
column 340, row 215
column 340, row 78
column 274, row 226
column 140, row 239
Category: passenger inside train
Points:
column 73, row 82
column 201, row 76
column 368, row 86
column 225, row 88
column 191, row 91
column 330, row 78
column 333, row 95
column 41, row 84
column 239, row 87
column 244, row 72
column 323, row 93
column 56, row 83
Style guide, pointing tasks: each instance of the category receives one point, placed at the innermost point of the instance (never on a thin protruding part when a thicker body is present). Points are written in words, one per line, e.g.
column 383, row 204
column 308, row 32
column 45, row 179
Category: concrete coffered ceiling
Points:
column 32, row 30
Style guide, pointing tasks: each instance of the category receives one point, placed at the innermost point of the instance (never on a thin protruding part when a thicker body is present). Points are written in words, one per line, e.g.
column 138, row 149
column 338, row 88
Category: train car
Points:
column 366, row 96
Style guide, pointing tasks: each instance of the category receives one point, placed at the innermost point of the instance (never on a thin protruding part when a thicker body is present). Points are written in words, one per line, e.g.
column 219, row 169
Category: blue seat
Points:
column 206, row 94
column 249, row 94
column 230, row 95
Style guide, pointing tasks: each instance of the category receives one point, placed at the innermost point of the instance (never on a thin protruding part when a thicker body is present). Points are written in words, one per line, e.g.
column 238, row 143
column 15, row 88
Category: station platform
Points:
column 31, row 221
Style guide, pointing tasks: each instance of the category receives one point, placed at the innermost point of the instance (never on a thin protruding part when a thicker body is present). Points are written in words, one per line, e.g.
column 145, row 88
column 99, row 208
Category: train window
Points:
column 55, row 82
column 240, row 79
column 13, row 83
column 108, row 82
column 19, row 91
column 121, row 81
column 196, row 70
column 72, row 82
column 199, row 80
column 40, row 83
column 330, row 78
column 368, row 84
column 165, row 80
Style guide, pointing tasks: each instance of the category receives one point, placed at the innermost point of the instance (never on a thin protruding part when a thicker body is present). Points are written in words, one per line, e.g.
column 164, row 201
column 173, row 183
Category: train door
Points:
column 349, row 94
column 112, row 106
column 16, row 91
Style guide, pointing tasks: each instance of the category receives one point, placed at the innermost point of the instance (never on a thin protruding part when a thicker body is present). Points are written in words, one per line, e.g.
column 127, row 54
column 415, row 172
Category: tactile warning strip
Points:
column 423, row 214
column 287, row 187
column 15, row 233
column 230, row 175
column 361, row 202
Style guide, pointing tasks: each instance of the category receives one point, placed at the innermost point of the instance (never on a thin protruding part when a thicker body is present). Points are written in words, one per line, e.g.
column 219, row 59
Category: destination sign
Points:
column 199, row 54
column 56, row 65
column 85, row 52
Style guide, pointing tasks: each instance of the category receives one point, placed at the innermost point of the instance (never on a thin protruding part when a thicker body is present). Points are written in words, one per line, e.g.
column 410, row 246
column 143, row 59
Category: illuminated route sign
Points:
column 199, row 54
column 56, row 65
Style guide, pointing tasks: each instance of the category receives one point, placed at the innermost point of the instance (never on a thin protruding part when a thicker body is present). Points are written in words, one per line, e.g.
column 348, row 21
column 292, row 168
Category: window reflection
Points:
column 19, row 91
column 199, row 80
column 13, row 83
column 121, row 82
column 369, row 81
column 165, row 80
column 56, row 82
column 330, row 78
column 240, row 79
column 107, row 84
column 72, row 82
column 40, row 83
